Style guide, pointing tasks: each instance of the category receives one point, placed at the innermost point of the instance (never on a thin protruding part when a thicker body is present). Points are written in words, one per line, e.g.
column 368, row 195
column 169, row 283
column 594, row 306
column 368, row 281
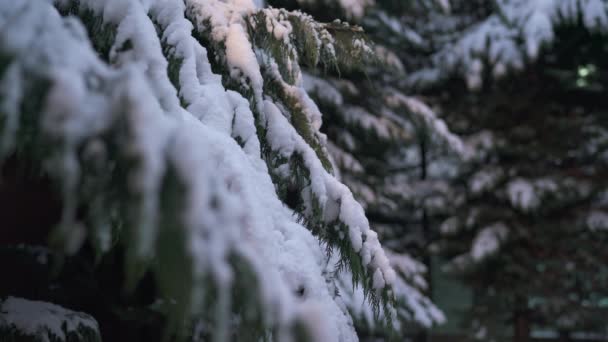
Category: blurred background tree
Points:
column 523, row 85
column 390, row 148
column 514, row 199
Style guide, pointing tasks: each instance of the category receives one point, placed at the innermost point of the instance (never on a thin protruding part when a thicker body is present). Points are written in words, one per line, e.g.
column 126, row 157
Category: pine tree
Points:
column 194, row 194
column 528, row 234
column 388, row 146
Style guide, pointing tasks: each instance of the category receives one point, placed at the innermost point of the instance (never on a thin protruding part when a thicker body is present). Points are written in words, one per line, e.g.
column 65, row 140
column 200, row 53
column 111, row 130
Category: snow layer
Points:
column 426, row 119
column 488, row 240
column 597, row 220
column 409, row 287
column 335, row 200
column 44, row 321
column 512, row 36
column 485, row 180
column 522, row 195
column 354, row 9
column 191, row 131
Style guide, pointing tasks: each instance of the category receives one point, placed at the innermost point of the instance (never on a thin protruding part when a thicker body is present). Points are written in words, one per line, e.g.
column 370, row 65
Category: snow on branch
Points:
column 44, row 322
column 509, row 38
column 186, row 124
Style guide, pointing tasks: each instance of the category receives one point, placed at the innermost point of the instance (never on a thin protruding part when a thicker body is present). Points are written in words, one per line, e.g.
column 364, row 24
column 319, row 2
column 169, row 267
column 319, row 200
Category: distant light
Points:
column 581, row 83
column 585, row 71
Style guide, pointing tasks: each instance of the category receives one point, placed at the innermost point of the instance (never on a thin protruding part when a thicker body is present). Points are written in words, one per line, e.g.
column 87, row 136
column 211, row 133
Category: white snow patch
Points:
column 522, row 195
column 488, row 241
column 43, row 320
column 597, row 220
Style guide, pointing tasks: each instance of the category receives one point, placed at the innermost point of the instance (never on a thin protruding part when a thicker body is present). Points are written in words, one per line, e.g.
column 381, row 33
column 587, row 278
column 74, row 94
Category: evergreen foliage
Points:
column 519, row 209
column 383, row 143
column 527, row 234
column 193, row 182
column 26, row 321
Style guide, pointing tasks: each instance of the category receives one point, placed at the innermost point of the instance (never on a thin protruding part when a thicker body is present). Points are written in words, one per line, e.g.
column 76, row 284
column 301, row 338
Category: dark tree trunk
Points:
column 521, row 321
column 426, row 231
column 564, row 336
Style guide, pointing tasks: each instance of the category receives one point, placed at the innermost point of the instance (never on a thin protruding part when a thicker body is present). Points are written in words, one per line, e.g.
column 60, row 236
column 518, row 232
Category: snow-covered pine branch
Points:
column 267, row 73
column 183, row 130
column 26, row 320
column 506, row 38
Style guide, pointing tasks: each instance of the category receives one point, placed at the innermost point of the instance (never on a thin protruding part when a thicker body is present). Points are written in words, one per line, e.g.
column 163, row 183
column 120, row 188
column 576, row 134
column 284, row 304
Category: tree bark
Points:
column 426, row 230
column 564, row 336
column 521, row 321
